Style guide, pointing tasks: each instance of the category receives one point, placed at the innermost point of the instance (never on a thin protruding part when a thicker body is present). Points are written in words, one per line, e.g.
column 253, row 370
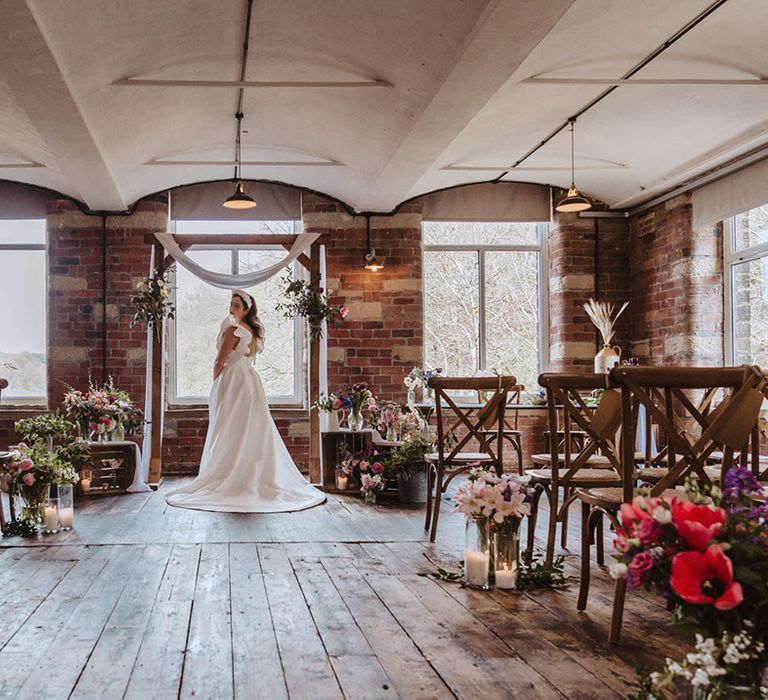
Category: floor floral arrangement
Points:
column 707, row 554
column 104, row 412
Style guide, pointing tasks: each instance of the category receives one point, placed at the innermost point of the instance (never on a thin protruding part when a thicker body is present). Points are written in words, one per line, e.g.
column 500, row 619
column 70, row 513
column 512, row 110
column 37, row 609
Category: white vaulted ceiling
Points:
column 455, row 107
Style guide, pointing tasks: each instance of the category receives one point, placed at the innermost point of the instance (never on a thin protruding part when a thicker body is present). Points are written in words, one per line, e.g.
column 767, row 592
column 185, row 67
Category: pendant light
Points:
column 574, row 201
column 371, row 263
column 239, row 200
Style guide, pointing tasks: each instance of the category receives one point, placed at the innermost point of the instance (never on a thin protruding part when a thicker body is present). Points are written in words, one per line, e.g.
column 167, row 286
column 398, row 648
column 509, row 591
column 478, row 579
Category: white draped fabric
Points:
column 225, row 281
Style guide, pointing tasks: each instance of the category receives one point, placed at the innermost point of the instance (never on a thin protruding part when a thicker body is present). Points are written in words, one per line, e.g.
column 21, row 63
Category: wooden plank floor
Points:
column 147, row 601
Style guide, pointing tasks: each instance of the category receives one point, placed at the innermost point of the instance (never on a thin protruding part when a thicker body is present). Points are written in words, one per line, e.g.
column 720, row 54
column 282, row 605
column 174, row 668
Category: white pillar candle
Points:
column 51, row 518
column 506, row 578
column 66, row 517
column 476, row 565
column 341, row 482
column 85, row 484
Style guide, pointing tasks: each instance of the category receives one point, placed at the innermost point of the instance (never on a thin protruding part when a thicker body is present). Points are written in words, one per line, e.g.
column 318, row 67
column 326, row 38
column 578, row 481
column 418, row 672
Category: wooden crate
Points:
column 112, row 466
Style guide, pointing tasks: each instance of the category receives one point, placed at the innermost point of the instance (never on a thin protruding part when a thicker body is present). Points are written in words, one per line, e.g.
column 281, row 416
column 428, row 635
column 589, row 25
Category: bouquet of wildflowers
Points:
column 495, row 497
column 326, row 404
column 356, row 399
column 153, row 302
column 365, row 469
column 385, row 419
column 418, row 377
column 102, row 408
column 706, row 552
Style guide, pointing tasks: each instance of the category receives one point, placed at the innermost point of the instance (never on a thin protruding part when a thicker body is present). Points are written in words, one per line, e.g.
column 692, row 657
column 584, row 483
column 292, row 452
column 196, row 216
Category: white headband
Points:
column 245, row 297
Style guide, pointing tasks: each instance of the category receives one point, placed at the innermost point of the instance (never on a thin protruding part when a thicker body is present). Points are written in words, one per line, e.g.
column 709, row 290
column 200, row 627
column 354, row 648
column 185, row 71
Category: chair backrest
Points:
column 475, row 420
column 692, row 428
column 513, row 405
column 601, row 424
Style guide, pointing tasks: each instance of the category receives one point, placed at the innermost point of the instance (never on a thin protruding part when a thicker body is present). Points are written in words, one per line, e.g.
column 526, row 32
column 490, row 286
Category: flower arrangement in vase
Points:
column 604, row 315
column 358, row 400
column 104, row 411
column 494, row 507
column 313, row 304
column 366, row 470
column 417, row 378
column 333, row 406
column 707, row 554
column 153, row 302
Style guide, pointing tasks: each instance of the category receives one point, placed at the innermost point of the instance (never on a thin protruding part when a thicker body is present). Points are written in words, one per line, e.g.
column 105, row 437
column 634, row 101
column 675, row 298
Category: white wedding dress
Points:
column 245, row 467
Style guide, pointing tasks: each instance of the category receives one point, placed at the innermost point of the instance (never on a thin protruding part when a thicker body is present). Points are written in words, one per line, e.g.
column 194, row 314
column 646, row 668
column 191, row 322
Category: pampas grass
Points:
column 601, row 313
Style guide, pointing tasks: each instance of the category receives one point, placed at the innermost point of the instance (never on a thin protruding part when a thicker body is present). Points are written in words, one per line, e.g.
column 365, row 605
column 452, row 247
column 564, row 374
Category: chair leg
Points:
column 533, row 515
column 436, row 508
column 519, row 452
column 619, row 592
column 553, row 494
column 585, row 544
column 599, row 541
column 564, row 520
column 430, row 486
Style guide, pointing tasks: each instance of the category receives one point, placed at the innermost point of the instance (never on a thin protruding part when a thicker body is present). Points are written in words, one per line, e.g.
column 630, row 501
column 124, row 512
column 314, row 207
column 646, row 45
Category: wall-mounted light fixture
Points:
column 371, row 263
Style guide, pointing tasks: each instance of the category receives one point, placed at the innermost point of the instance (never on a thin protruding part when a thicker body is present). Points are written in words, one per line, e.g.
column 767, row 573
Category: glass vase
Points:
column 342, row 480
column 32, row 502
column 506, row 553
column 66, row 503
column 391, row 434
column 370, row 496
column 411, row 398
column 355, row 421
column 477, row 553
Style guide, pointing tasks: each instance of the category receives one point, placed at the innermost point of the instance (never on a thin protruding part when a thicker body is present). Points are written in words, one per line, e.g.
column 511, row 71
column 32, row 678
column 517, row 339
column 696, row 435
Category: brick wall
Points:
column 676, row 287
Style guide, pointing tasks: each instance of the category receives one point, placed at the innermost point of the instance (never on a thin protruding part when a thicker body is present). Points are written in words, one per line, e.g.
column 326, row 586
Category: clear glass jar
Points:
column 477, row 553
column 506, row 553
column 355, row 421
column 66, row 506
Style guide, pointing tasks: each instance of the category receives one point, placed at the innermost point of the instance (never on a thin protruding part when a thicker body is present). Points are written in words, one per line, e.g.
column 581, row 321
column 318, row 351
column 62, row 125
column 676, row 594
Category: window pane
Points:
column 479, row 233
column 208, row 227
column 512, row 315
column 451, row 311
column 750, row 228
column 276, row 365
column 22, row 231
column 750, row 312
column 23, row 323
column 200, row 309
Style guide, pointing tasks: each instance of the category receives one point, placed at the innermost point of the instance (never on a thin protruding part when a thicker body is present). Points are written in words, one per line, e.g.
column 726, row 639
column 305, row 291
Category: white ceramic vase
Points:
column 607, row 359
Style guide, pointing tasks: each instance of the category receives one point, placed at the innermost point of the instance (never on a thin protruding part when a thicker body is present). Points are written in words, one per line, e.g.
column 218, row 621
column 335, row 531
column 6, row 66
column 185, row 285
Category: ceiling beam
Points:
column 29, row 68
column 622, row 82
column 166, row 83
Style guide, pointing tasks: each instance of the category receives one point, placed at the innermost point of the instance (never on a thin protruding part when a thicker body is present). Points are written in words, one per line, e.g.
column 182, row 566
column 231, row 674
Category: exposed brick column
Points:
column 677, row 287
column 382, row 337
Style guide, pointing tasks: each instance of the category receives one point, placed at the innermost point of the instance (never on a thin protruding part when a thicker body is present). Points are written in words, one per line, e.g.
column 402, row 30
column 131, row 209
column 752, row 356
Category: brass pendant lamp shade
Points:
column 239, row 199
column 573, row 201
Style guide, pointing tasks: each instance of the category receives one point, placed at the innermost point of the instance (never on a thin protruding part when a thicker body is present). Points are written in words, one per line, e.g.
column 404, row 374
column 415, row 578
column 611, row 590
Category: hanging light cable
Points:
column 574, row 200
column 371, row 263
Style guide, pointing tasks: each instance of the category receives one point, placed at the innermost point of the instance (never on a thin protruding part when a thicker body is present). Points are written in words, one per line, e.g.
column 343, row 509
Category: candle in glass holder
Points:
column 51, row 517
column 85, row 485
column 341, row 482
column 476, row 567
column 66, row 517
column 506, row 578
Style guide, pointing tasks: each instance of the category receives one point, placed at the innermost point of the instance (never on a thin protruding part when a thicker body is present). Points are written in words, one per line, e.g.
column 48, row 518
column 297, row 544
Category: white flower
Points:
column 662, row 515
column 700, row 678
column 617, row 570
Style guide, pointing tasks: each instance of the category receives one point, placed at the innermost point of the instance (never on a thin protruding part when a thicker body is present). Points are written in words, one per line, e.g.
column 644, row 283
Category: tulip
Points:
column 697, row 525
column 703, row 579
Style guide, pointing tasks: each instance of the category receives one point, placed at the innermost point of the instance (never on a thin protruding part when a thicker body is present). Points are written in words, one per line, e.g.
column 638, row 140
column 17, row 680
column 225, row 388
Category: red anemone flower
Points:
column 697, row 525
column 706, row 578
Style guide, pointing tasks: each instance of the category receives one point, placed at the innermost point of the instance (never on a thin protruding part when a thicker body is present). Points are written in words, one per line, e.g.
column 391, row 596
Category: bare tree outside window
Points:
column 201, row 308
column 23, row 279
column 482, row 299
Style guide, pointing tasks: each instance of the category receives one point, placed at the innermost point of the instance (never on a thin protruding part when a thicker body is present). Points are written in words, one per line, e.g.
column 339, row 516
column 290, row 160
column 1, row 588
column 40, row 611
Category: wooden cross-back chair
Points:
column 511, row 433
column 596, row 463
column 692, row 431
column 453, row 454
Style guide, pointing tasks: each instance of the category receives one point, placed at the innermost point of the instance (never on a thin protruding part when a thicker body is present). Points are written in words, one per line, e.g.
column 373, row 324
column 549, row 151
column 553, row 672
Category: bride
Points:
column 245, row 467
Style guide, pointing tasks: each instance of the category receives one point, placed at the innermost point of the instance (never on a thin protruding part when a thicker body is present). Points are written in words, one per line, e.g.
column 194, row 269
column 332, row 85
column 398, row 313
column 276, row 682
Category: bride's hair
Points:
column 252, row 317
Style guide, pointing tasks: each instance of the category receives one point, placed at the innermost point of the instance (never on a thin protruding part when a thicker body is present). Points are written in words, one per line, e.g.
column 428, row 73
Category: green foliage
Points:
column 40, row 428
column 20, row 528
column 532, row 573
column 153, row 302
column 408, row 459
column 315, row 305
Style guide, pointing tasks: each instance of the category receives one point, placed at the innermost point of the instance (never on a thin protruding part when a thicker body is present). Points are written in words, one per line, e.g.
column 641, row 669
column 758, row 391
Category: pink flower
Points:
column 28, row 479
column 22, row 446
column 343, row 311
column 337, row 404
column 697, row 525
column 647, row 531
column 26, row 464
column 377, row 467
column 364, row 466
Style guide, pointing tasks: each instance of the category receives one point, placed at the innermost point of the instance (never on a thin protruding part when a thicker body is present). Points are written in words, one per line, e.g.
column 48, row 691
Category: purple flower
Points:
column 740, row 481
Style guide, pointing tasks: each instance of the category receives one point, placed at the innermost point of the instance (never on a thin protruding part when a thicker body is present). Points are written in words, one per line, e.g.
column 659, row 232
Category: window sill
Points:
column 18, row 411
column 198, row 411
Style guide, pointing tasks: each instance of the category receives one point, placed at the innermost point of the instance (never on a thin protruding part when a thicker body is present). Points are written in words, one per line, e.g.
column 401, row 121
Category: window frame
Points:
column 11, row 402
column 298, row 399
column 542, row 232
column 731, row 258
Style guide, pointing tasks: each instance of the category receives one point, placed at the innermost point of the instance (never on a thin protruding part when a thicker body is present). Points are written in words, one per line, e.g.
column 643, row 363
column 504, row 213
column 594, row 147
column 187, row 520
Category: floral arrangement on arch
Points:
column 153, row 302
column 315, row 305
column 707, row 553
column 498, row 498
column 103, row 409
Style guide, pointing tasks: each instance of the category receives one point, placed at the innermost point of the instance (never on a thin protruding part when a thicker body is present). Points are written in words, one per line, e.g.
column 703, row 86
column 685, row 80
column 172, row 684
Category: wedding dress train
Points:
column 245, row 467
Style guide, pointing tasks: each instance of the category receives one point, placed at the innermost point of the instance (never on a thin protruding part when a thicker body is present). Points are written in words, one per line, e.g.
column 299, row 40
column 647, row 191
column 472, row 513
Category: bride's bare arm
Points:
column 228, row 343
